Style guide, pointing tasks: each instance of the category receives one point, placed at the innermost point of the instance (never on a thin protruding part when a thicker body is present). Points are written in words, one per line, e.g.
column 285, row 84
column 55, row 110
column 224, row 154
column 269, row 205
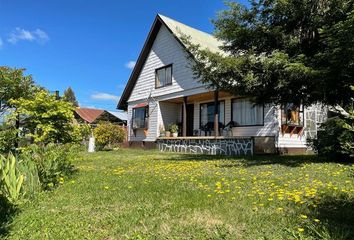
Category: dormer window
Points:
column 163, row 76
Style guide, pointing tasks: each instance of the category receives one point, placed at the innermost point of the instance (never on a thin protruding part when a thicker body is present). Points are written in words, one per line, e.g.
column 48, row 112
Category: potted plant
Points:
column 167, row 133
column 174, row 129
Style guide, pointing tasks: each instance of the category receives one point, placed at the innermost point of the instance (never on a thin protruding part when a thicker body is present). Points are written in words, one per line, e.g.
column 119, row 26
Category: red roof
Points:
column 89, row 114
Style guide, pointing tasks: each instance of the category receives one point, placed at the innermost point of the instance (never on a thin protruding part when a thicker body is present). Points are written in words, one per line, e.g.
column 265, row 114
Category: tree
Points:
column 69, row 96
column 282, row 51
column 46, row 118
column 14, row 85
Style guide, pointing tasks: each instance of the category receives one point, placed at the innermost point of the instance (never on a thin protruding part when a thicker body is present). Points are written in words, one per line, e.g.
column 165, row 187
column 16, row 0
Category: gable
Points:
column 165, row 50
column 176, row 29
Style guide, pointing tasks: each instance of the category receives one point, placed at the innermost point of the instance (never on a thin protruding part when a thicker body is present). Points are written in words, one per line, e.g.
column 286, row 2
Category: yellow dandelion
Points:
column 303, row 216
column 317, row 220
column 280, row 209
column 300, row 229
column 209, row 195
column 106, row 187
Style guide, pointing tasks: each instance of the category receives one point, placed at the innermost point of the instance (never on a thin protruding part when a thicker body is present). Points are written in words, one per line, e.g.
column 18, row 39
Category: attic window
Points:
column 163, row 76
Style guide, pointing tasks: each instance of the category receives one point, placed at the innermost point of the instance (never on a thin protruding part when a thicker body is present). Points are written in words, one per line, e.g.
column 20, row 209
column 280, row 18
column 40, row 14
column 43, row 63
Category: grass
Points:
column 136, row 194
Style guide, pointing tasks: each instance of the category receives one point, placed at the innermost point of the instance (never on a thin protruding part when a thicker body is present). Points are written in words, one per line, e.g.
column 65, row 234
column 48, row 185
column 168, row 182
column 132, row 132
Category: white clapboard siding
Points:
column 295, row 141
column 165, row 50
column 152, row 131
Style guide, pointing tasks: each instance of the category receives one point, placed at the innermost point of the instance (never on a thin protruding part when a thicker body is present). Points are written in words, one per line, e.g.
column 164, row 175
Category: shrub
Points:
column 108, row 135
column 8, row 135
column 11, row 179
column 81, row 132
column 31, row 183
column 335, row 140
column 53, row 162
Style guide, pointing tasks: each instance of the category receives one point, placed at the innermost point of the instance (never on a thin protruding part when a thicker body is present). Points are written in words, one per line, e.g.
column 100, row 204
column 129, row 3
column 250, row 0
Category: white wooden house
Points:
column 163, row 90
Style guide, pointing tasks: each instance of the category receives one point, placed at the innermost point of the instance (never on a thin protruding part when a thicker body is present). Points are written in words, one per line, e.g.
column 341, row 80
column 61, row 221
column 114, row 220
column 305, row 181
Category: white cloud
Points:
column 104, row 97
column 1, row 43
column 88, row 106
column 20, row 34
column 130, row 64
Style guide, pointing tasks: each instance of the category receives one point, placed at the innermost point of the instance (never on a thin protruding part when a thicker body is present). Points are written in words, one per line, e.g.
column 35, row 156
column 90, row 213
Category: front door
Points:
column 190, row 117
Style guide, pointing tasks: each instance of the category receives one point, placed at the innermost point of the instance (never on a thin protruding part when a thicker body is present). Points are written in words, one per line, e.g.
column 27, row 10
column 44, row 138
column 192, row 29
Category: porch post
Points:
column 184, row 120
column 216, row 113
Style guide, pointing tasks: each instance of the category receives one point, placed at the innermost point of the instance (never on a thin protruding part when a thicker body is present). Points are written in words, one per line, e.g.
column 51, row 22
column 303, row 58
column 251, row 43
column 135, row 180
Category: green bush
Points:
column 31, row 183
column 81, row 132
column 8, row 135
column 53, row 162
column 335, row 140
column 108, row 135
column 11, row 180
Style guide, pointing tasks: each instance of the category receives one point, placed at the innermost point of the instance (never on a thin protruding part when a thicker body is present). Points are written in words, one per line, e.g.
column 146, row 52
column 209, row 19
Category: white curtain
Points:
column 245, row 112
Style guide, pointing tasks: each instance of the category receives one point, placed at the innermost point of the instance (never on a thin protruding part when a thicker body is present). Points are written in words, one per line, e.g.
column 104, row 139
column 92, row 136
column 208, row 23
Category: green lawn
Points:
column 136, row 194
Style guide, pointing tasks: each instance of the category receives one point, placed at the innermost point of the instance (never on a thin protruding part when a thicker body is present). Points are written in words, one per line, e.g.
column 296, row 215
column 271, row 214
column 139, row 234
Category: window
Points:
column 207, row 113
column 140, row 117
column 163, row 76
column 292, row 114
column 245, row 113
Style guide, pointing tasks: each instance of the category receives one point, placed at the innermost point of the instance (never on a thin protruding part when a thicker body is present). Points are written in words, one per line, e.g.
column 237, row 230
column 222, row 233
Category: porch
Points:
column 200, row 115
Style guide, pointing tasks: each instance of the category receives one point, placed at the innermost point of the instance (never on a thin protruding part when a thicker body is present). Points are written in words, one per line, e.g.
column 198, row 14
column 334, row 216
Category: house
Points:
column 93, row 116
column 163, row 90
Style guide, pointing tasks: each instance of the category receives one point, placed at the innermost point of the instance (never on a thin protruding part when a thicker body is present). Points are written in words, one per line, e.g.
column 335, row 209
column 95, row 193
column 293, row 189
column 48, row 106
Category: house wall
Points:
column 165, row 50
column 270, row 127
column 314, row 115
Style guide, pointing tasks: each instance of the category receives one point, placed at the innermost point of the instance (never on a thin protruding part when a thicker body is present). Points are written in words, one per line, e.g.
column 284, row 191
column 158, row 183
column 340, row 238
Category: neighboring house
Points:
column 163, row 90
column 93, row 116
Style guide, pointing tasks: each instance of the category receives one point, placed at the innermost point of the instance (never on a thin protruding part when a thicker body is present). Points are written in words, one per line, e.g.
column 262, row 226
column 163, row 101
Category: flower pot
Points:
column 175, row 134
column 168, row 134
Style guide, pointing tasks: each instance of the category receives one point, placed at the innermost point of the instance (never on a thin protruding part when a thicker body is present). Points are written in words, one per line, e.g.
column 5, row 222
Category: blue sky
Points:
column 90, row 45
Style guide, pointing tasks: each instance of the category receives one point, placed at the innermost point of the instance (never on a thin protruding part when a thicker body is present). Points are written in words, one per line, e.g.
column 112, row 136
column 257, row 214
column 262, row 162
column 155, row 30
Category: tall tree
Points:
column 281, row 51
column 14, row 85
column 46, row 118
column 69, row 96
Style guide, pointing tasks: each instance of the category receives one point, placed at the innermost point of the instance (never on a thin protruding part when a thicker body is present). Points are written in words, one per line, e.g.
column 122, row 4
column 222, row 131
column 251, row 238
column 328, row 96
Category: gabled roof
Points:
column 178, row 29
column 89, row 114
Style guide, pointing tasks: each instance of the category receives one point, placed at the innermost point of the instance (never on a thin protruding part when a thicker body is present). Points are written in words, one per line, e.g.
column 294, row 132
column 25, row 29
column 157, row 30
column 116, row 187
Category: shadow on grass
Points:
column 7, row 212
column 336, row 216
column 249, row 161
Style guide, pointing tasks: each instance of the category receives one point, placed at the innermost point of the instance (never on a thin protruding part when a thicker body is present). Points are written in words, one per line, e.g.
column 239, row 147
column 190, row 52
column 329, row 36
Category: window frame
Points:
column 146, row 117
column 301, row 113
column 160, row 68
column 232, row 113
column 200, row 108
